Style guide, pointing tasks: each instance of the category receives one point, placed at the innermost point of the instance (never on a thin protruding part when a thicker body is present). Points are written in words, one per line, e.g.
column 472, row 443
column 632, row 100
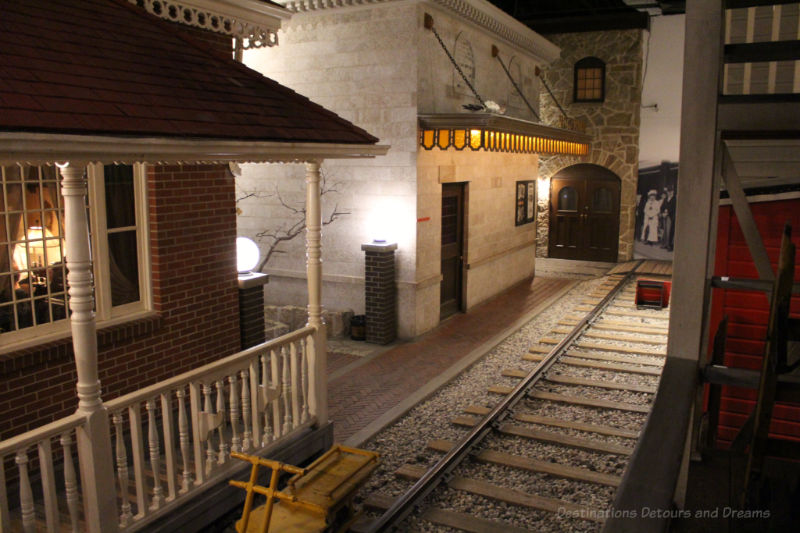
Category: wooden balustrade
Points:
column 241, row 403
column 36, row 478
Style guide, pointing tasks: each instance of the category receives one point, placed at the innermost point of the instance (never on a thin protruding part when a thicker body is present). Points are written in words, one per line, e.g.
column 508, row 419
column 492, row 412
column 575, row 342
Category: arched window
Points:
column 567, row 199
column 590, row 80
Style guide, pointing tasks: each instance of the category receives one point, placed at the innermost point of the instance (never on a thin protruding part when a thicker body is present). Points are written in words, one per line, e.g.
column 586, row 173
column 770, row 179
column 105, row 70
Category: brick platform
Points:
column 365, row 393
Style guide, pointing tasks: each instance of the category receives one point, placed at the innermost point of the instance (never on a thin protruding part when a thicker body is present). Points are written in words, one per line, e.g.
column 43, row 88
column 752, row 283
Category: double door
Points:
column 584, row 214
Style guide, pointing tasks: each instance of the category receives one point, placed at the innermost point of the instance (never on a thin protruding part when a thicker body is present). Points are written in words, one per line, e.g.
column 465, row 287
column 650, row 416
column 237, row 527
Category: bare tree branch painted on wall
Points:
column 287, row 231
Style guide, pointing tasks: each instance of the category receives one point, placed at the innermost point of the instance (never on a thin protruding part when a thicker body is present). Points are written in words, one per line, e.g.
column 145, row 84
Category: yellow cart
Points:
column 316, row 498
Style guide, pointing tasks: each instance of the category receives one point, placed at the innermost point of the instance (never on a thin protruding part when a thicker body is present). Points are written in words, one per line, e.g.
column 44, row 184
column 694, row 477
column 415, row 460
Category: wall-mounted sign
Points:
column 526, row 202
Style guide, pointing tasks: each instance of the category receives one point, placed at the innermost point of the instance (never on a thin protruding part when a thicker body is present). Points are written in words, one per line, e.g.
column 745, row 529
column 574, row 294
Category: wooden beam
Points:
column 745, row 217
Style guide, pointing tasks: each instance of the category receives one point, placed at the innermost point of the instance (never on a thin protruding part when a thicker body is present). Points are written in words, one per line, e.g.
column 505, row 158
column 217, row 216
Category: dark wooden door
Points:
column 452, row 248
column 584, row 214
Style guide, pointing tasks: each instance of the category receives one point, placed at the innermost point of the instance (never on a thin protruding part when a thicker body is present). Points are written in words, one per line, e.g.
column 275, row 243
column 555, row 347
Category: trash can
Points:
column 358, row 327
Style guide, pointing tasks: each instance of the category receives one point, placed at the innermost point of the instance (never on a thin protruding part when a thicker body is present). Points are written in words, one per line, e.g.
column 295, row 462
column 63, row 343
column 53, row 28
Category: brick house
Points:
column 118, row 210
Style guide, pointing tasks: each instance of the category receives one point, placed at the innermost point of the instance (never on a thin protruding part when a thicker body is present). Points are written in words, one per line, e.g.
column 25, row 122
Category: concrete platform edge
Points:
column 390, row 416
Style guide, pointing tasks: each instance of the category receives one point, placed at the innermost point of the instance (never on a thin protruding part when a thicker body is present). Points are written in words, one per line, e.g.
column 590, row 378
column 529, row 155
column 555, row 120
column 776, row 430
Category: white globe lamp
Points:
column 247, row 255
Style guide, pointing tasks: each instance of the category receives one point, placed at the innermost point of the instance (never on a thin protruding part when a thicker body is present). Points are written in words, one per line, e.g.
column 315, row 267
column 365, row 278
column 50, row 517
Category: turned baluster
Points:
column 304, row 381
column 71, row 483
column 274, row 362
column 25, row 494
column 155, row 455
column 224, row 448
column 233, row 409
column 294, row 382
column 125, row 516
column 286, row 392
column 183, row 437
column 267, row 437
column 247, row 434
column 210, row 455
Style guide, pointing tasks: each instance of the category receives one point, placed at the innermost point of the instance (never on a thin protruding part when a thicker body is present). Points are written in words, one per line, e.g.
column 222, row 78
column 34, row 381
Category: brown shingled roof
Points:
column 106, row 67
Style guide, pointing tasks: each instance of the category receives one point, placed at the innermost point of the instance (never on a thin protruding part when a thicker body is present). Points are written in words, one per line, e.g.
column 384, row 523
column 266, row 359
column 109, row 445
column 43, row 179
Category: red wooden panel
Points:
column 747, row 311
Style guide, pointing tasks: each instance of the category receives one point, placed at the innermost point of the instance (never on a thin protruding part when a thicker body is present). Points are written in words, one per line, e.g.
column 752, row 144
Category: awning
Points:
column 498, row 133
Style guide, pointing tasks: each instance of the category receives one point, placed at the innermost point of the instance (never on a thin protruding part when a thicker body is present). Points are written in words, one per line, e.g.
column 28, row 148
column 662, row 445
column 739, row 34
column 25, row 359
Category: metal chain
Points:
column 519, row 91
column 458, row 69
column 553, row 97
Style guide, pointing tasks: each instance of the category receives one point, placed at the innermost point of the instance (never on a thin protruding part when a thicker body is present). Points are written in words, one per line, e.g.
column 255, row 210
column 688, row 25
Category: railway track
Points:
column 549, row 453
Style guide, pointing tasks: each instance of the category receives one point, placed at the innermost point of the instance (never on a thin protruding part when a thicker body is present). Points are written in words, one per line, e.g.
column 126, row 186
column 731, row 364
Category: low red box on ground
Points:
column 653, row 293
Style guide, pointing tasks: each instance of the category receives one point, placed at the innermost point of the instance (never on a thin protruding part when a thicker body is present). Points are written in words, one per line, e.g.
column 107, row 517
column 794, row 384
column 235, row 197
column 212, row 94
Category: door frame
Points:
column 460, row 190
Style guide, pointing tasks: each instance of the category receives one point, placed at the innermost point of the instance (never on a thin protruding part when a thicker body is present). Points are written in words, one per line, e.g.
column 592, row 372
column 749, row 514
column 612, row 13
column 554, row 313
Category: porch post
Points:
column 318, row 378
column 94, row 437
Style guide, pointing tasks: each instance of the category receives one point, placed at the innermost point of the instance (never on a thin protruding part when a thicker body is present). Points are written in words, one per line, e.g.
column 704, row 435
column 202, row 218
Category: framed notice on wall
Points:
column 526, row 202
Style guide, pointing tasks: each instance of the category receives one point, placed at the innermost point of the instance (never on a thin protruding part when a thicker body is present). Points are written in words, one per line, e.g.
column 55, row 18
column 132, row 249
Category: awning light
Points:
column 493, row 133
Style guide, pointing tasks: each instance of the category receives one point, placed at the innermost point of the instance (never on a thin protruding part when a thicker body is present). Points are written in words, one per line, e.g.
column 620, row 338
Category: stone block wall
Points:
column 497, row 253
column 375, row 64
column 613, row 124
column 362, row 64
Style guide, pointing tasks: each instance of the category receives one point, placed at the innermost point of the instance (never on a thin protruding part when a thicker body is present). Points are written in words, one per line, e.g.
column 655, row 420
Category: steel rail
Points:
column 438, row 472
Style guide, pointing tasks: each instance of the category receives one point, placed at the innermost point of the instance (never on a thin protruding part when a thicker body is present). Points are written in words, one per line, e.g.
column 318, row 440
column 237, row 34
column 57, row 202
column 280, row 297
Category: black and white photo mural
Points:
column 654, row 236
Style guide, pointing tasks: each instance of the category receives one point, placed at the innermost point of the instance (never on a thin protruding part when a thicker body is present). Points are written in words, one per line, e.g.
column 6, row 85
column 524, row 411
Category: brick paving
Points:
column 367, row 391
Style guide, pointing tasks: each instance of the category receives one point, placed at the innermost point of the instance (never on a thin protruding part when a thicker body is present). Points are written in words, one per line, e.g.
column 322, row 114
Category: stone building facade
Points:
column 377, row 65
column 613, row 123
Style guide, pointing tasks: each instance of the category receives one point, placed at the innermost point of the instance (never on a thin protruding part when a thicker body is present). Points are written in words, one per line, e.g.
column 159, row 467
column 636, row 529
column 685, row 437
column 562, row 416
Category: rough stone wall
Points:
column 613, row 123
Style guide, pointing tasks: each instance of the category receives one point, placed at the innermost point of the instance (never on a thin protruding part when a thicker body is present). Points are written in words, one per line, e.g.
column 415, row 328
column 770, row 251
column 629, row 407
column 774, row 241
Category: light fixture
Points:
column 42, row 249
column 247, row 255
column 498, row 133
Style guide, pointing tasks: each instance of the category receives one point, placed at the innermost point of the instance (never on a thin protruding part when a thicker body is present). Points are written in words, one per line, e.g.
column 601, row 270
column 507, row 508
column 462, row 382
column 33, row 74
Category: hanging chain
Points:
column 458, row 69
column 519, row 91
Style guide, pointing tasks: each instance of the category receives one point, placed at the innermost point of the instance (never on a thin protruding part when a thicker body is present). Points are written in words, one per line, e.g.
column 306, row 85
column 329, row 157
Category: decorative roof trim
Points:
column 478, row 12
column 43, row 148
column 502, row 123
column 255, row 23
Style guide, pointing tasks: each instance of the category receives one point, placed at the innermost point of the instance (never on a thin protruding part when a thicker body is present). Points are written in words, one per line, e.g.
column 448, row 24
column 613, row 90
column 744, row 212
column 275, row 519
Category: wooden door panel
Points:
column 452, row 242
column 588, row 227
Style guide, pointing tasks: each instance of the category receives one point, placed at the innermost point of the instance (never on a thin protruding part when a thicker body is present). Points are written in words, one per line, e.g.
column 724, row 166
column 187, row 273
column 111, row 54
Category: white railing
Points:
column 46, row 486
column 174, row 438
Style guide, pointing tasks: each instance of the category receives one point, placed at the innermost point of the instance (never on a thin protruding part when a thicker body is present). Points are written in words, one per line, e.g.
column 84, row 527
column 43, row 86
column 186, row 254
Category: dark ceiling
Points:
column 562, row 16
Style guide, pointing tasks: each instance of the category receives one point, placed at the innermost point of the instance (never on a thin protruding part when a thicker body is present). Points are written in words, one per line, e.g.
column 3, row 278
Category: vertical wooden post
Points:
column 94, row 436
column 318, row 382
column 698, row 193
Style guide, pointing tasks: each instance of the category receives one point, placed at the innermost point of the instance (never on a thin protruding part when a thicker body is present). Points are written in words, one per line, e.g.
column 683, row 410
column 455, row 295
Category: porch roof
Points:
column 105, row 68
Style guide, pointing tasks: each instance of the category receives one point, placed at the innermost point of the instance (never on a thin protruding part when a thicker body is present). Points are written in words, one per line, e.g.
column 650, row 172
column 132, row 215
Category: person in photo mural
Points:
column 652, row 211
column 668, row 215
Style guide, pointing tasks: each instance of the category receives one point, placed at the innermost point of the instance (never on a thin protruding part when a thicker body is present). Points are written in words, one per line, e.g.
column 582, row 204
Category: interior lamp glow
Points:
column 247, row 255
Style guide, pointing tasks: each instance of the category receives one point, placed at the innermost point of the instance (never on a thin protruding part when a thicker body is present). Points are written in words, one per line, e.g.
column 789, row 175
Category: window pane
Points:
column 601, row 200
column 31, row 225
column 120, row 210
column 124, row 267
column 567, row 199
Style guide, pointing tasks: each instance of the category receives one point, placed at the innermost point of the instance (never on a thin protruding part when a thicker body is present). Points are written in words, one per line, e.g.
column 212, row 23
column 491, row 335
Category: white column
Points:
column 94, row 437
column 317, row 359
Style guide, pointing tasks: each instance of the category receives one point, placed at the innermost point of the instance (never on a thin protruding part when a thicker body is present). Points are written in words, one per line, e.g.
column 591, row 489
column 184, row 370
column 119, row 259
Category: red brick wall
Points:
column 748, row 312
column 195, row 296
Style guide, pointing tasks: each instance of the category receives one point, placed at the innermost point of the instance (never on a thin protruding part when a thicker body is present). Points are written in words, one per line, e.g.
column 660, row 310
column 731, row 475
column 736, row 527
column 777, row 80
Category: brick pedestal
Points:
column 251, row 308
column 380, row 292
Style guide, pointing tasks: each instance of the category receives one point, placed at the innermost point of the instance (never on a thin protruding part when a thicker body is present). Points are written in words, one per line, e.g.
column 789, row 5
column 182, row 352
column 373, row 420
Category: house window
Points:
column 590, row 74
column 33, row 295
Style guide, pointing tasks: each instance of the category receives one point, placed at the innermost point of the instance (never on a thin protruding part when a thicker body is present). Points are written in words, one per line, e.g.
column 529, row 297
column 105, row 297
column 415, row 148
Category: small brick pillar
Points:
column 251, row 308
column 380, row 291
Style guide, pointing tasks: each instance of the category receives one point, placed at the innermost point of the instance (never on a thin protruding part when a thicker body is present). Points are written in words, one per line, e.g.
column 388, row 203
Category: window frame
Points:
column 105, row 313
column 590, row 62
